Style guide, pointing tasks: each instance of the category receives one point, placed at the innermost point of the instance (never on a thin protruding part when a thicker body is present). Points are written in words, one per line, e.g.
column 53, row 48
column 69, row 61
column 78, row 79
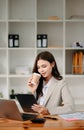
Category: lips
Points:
column 43, row 74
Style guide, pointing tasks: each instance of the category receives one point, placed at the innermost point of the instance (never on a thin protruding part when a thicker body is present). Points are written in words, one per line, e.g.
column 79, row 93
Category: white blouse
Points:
column 45, row 89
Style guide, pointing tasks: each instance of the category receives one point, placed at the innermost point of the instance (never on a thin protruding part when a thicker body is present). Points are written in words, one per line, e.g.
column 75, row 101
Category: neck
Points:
column 47, row 79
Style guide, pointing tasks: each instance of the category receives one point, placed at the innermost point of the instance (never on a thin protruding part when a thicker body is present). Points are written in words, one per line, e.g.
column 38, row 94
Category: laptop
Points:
column 9, row 110
column 26, row 101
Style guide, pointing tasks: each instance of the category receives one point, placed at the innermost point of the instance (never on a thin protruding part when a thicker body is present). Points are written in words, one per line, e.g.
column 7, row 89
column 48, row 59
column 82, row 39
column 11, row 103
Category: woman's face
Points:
column 45, row 68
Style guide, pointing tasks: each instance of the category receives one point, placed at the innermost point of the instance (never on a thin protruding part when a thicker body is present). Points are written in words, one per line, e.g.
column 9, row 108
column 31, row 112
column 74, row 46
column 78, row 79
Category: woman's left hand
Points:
column 40, row 109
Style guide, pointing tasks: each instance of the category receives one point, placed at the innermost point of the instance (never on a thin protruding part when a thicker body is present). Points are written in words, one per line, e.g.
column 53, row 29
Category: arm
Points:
column 32, row 86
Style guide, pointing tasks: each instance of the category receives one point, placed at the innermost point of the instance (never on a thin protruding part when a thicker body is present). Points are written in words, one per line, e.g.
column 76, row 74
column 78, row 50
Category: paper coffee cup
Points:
column 35, row 78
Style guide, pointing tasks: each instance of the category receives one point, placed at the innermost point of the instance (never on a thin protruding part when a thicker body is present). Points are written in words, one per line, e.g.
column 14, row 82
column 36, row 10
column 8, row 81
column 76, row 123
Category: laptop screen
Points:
column 9, row 110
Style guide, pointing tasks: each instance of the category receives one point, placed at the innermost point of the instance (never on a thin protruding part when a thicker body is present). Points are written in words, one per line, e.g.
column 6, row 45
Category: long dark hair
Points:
column 45, row 55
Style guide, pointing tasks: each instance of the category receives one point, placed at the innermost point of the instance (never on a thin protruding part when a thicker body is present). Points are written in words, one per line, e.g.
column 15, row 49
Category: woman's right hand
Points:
column 32, row 86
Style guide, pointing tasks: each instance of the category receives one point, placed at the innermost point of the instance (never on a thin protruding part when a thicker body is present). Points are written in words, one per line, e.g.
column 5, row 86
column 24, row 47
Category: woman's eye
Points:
column 43, row 66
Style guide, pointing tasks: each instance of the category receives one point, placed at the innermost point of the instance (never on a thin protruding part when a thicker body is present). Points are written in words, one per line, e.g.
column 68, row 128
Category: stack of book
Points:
column 77, row 65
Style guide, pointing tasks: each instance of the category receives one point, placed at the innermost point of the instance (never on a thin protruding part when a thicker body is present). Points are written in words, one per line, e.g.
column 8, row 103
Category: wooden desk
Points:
column 49, row 124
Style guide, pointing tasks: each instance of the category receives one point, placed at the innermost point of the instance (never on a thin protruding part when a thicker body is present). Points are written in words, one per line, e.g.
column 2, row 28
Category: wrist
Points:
column 47, row 112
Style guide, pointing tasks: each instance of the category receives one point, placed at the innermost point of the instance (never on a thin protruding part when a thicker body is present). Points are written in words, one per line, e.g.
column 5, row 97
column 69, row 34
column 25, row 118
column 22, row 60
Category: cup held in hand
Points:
column 35, row 78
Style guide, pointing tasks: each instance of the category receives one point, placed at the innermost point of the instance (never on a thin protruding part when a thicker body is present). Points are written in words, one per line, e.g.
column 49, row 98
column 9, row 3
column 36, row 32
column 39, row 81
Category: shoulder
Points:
column 61, row 83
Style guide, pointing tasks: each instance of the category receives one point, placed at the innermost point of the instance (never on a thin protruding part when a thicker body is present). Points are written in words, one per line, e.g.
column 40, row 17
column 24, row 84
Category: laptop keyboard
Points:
column 27, row 116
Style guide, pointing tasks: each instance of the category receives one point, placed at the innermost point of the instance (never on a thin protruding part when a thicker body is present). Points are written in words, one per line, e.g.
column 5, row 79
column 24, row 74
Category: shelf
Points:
column 20, row 10
column 20, row 58
column 74, row 8
column 61, row 20
column 49, row 8
column 26, row 33
column 3, row 62
column 3, row 32
column 3, row 10
column 3, row 84
column 18, row 84
column 52, row 29
column 73, row 31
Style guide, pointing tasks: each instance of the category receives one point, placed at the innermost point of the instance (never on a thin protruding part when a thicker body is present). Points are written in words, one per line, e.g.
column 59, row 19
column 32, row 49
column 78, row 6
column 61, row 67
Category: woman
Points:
column 52, row 93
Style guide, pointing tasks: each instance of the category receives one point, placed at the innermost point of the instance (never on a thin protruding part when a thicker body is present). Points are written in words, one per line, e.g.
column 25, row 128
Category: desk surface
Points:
column 49, row 124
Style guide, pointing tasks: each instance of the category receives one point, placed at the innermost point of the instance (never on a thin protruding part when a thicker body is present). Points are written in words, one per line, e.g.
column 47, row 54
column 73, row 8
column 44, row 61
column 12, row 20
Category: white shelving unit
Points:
column 29, row 18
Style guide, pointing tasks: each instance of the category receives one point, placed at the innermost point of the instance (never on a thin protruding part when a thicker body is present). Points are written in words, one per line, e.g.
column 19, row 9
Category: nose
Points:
column 41, row 70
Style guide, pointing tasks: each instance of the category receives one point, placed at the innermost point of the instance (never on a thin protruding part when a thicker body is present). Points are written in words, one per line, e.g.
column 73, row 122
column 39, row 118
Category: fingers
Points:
column 32, row 86
column 36, row 107
column 39, row 108
column 29, row 80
